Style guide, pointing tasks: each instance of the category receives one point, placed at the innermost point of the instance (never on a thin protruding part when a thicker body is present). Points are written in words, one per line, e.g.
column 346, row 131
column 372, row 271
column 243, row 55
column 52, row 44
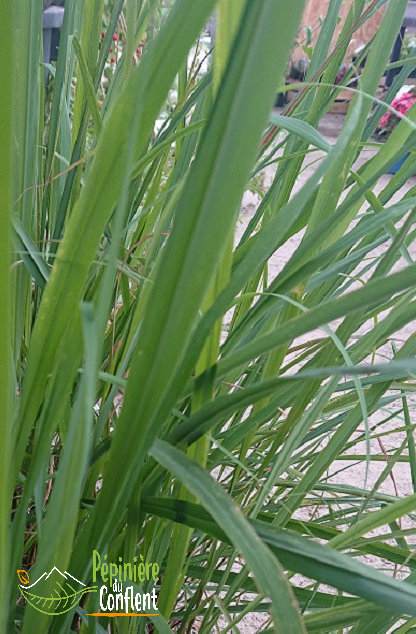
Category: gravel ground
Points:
column 359, row 474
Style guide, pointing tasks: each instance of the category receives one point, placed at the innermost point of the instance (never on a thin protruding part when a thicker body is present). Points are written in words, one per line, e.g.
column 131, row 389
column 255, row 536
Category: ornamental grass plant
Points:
column 162, row 393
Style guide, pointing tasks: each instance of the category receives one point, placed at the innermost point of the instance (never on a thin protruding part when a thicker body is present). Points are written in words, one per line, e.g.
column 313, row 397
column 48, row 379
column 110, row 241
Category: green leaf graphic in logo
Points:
column 61, row 598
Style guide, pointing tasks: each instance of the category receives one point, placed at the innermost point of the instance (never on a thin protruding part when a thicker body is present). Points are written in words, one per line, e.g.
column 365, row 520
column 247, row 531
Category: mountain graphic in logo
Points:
column 63, row 594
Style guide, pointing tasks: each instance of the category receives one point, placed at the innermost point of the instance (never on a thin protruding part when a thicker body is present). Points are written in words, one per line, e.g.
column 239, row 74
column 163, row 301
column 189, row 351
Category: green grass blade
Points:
column 299, row 554
column 208, row 207
column 7, row 191
column 97, row 201
column 267, row 571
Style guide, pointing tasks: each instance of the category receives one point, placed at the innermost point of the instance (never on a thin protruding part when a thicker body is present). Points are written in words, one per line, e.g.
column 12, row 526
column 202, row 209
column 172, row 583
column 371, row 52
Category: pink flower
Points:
column 384, row 119
column 401, row 105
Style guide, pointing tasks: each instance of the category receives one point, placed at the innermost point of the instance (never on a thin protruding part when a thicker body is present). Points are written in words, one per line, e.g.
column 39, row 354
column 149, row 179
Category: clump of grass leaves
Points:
column 160, row 391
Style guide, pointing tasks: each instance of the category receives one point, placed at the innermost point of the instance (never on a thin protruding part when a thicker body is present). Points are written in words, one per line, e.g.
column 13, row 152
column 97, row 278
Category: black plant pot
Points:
column 280, row 100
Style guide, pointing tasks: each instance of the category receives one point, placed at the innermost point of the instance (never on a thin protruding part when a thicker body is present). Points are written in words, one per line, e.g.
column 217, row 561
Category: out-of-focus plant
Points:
column 408, row 47
column 298, row 69
column 400, row 107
